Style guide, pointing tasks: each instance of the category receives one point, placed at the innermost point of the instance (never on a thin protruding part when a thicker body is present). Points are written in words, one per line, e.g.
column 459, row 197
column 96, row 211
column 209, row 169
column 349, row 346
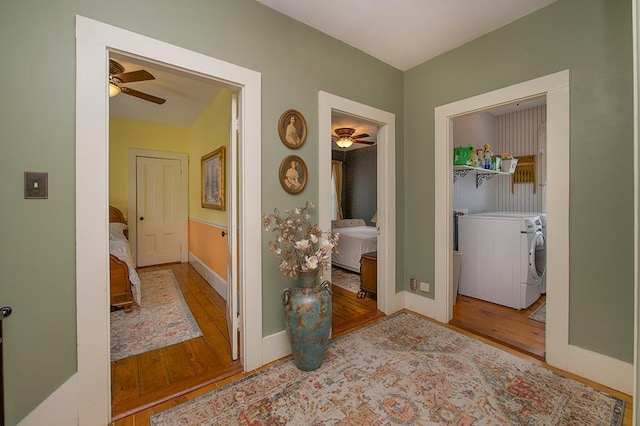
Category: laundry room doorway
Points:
column 499, row 215
column 555, row 87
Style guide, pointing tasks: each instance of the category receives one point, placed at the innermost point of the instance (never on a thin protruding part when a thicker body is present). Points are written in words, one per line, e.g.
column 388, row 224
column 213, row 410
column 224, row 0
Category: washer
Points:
column 504, row 257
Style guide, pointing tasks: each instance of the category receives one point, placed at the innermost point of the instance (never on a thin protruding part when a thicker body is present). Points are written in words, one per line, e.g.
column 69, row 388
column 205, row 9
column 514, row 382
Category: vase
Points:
column 308, row 311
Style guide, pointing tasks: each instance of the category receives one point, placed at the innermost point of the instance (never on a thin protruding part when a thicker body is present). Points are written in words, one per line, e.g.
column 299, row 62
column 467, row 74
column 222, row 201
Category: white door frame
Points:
column 386, row 163
column 94, row 40
column 132, row 205
column 556, row 88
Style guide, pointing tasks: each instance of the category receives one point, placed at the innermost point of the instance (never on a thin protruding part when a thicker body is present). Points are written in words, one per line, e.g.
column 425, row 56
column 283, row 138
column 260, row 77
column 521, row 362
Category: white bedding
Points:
column 121, row 249
column 353, row 242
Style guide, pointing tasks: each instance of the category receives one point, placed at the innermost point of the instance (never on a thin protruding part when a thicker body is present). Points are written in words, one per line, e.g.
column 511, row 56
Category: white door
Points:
column 159, row 216
column 232, row 232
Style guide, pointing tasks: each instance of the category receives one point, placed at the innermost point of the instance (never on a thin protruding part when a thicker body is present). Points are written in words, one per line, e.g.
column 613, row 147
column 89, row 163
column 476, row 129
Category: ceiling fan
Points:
column 344, row 137
column 117, row 77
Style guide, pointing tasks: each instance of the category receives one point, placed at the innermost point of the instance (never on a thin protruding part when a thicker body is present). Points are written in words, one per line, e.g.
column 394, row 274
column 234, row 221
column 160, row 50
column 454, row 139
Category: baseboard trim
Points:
column 419, row 304
column 275, row 347
column 210, row 276
column 59, row 409
column 601, row 369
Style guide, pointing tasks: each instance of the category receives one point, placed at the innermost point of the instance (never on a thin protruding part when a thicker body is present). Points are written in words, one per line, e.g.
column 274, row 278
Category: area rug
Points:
column 162, row 319
column 540, row 314
column 347, row 280
column 403, row 370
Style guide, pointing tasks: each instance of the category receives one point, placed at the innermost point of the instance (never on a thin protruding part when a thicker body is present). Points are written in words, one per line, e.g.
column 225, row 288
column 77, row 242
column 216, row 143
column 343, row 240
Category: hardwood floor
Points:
column 142, row 418
column 504, row 325
column 151, row 378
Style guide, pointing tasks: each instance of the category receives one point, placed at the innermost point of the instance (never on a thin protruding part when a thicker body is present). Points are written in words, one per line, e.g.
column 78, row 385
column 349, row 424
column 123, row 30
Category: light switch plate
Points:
column 36, row 185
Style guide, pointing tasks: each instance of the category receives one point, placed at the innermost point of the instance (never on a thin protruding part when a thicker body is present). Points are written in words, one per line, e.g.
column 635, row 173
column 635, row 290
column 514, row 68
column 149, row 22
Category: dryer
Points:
column 503, row 258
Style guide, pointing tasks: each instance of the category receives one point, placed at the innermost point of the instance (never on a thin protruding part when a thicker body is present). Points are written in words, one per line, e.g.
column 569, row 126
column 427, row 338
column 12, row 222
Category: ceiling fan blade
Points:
column 361, row 135
column 365, row 142
column 141, row 95
column 130, row 77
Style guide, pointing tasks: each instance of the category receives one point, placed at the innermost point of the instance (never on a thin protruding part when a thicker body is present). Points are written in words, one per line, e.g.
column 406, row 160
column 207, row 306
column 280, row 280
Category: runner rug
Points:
column 540, row 314
column 347, row 280
column 403, row 370
column 162, row 319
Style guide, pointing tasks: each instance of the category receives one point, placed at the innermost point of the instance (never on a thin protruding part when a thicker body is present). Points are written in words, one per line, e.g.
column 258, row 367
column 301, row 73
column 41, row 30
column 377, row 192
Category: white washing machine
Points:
column 540, row 257
column 504, row 258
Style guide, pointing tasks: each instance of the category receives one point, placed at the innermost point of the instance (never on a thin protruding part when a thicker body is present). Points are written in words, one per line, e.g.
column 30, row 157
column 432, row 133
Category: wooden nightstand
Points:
column 368, row 273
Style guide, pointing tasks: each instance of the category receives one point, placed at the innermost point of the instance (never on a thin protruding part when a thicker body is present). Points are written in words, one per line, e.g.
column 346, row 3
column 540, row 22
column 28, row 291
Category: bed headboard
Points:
column 346, row 223
column 115, row 215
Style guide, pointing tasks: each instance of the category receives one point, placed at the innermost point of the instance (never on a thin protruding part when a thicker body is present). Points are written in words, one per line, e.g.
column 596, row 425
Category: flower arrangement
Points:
column 300, row 245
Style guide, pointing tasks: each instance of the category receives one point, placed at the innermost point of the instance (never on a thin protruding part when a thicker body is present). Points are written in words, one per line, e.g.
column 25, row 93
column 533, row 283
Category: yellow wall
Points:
column 208, row 244
column 209, row 131
column 126, row 134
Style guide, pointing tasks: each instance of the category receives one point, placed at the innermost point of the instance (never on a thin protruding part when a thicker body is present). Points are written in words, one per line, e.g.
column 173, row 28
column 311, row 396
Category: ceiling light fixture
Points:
column 113, row 90
column 114, row 86
column 344, row 142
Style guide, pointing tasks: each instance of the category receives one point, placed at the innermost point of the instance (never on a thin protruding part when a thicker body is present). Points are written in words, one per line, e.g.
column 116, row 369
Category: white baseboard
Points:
column 214, row 280
column 601, row 369
column 59, row 409
column 422, row 305
column 275, row 347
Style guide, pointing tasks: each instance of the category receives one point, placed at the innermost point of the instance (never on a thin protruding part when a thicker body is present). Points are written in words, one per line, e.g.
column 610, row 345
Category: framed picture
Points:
column 293, row 174
column 292, row 129
column 213, row 179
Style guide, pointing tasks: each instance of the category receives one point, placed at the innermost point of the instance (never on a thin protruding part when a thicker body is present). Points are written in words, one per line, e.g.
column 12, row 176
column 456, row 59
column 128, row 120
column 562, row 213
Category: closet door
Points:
column 159, row 220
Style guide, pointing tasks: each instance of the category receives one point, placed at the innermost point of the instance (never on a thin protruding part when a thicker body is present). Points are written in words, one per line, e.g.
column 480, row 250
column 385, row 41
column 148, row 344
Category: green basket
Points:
column 462, row 155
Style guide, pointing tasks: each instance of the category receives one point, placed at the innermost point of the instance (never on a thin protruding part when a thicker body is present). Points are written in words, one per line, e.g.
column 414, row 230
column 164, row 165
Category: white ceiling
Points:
column 187, row 94
column 405, row 33
column 402, row 33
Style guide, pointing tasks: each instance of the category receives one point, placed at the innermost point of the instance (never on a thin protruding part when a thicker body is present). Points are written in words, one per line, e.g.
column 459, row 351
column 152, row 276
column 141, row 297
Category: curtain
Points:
column 336, row 175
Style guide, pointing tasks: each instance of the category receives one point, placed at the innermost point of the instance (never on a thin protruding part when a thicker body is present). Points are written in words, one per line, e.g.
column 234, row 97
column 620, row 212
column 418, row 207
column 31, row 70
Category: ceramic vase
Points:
column 308, row 313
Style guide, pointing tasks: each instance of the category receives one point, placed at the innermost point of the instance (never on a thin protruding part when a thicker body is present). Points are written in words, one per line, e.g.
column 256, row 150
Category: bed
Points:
column 124, row 281
column 355, row 239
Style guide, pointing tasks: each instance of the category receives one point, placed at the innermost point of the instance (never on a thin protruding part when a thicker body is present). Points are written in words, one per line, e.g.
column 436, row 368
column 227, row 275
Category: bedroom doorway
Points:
column 158, row 200
column 93, row 40
column 385, row 223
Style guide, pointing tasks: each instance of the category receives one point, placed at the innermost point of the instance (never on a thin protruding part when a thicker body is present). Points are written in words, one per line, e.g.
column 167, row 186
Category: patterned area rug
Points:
column 540, row 314
column 403, row 370
column 162, row 319
column 348, row 280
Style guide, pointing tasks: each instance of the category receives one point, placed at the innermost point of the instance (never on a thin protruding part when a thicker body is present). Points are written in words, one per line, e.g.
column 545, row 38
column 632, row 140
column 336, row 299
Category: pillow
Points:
column 116, row 231
column 347, row 223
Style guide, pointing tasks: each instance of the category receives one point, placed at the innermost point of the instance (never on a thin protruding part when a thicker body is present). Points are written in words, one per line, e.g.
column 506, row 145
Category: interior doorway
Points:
column 93, row 40
column 556, row 88
column 385, row 161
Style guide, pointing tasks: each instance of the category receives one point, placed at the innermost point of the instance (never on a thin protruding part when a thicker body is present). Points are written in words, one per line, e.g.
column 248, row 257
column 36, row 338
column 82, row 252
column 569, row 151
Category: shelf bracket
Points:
column 481, row 177
column 460, row 173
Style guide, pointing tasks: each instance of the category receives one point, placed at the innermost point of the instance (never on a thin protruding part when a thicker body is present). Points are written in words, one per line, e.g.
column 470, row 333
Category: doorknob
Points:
column 5, row 311
column 223, row 233
column 141, row 218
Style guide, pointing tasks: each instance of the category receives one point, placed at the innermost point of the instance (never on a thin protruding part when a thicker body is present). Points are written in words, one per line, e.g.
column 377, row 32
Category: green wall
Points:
column 593, row 40
column 37, row 118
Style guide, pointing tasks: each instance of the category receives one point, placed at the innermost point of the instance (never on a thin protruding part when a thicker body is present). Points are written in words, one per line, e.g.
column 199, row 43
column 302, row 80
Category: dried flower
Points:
column 299, row 245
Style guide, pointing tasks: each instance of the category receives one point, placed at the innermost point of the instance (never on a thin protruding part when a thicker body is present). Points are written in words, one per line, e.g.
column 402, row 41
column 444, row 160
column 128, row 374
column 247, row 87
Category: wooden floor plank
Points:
column 124, row 380
column 508, row 326
column 152, row 371
column 178, row 363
